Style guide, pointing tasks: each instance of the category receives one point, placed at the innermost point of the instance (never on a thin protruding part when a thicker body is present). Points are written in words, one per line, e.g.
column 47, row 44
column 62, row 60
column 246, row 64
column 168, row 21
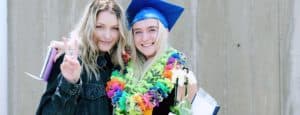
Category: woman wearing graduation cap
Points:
column 156, row 80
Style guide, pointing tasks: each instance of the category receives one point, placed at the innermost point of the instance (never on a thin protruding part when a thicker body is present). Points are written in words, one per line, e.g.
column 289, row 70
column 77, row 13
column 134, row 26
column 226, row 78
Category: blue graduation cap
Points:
column 164, row 11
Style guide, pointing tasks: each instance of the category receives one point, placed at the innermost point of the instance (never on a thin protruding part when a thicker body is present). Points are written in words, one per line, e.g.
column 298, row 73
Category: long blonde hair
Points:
column 89, row 51
column 142, row 65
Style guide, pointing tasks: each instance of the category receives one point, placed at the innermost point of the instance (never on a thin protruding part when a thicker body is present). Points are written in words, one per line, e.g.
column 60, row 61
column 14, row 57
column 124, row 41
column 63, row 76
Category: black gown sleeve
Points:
column 164, row 107
column 60, row 96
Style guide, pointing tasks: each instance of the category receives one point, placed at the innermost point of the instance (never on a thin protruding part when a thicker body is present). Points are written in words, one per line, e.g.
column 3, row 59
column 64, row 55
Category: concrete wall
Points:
column 237, row 48
column 294, row 92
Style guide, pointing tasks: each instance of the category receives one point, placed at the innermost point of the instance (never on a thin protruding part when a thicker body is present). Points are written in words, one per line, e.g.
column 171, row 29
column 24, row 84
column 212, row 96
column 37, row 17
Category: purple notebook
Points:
column 48, row 63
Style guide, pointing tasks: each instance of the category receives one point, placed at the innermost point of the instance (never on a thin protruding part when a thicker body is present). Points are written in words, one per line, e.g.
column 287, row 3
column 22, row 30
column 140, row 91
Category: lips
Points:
column 147, row 44
column 105, row 42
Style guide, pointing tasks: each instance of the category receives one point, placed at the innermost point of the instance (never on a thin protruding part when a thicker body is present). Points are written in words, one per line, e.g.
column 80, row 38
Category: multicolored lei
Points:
column 140, row 98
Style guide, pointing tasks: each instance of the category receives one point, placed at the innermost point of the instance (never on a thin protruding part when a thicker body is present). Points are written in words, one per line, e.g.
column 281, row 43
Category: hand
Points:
column 60, row 47
column 185, row 91
column 70, row 67
column 191, row 92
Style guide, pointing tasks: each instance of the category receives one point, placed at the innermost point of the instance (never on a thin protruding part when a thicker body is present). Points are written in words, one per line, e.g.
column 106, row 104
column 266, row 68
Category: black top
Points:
column 165, row 107
column 85, row 98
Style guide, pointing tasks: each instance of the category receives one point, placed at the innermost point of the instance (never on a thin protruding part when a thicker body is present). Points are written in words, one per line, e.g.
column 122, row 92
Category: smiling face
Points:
column 145, row 34
column 106, row 33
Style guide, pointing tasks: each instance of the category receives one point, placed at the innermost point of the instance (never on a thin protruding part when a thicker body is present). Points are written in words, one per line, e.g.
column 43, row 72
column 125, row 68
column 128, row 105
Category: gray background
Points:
column 237, row 48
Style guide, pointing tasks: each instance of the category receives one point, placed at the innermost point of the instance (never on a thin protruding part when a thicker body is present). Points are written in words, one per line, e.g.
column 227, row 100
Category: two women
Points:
column 154, row 80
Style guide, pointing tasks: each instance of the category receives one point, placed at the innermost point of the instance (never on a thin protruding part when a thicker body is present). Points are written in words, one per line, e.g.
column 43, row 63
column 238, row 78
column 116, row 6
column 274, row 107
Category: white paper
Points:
column 204, row 104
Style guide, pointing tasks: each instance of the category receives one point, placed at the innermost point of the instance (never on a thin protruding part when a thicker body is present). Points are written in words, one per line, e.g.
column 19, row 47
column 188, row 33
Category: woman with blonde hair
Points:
column 77, row 82
column 156, row 79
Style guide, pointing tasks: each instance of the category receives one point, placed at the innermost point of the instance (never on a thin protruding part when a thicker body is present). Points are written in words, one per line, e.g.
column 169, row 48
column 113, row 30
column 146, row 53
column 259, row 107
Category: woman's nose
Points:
column 145, row 36
column 107, row 34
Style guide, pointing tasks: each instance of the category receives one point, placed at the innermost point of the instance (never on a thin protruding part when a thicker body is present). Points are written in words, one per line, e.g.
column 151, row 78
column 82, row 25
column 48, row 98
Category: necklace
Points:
column 142, row 97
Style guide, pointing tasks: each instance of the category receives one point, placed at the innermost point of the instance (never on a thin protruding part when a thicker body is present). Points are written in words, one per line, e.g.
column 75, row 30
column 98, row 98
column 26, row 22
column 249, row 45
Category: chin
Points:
column 149, row 54
column 104, row 49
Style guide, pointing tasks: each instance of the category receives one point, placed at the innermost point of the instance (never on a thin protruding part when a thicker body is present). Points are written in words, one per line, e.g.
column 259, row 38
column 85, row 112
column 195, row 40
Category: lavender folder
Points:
column 48, row 64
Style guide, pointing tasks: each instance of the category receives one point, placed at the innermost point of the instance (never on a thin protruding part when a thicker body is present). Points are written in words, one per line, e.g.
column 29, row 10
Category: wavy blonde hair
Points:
column 142, row 65
column 88, row 49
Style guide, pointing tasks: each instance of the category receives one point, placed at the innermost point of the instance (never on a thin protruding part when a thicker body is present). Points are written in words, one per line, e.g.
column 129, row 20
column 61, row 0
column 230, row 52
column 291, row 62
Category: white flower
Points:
column 182, row 75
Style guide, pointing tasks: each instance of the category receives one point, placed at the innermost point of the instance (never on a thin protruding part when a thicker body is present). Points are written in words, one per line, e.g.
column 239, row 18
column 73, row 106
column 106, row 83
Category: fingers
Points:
column 192, row 91
column 70, row 60
column 183, row 76
column 71, row 47
column 56, row 44
column 180, row 93
column 59, row 47
column 180, row 74
column 66, row 46
column 70, row 69
column 189, row 92
column 76, row 48
column 187, row 84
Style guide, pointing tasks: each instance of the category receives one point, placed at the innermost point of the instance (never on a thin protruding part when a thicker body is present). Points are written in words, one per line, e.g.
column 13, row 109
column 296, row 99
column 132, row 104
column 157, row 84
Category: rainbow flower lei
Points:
column 142, row 97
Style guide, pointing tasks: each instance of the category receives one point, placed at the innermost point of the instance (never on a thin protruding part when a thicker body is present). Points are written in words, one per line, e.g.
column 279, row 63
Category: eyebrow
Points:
column 134, row 29
column 99, row 23
column 153, row 27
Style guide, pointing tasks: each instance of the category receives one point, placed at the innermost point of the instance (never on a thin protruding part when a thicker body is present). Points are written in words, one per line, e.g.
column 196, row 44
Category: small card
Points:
column 204, row 104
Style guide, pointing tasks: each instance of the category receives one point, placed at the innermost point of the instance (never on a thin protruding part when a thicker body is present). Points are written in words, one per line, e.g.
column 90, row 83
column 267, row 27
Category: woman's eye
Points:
column 152, row 30
column 137, row 32
column 115, row 28
column 99, row 27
